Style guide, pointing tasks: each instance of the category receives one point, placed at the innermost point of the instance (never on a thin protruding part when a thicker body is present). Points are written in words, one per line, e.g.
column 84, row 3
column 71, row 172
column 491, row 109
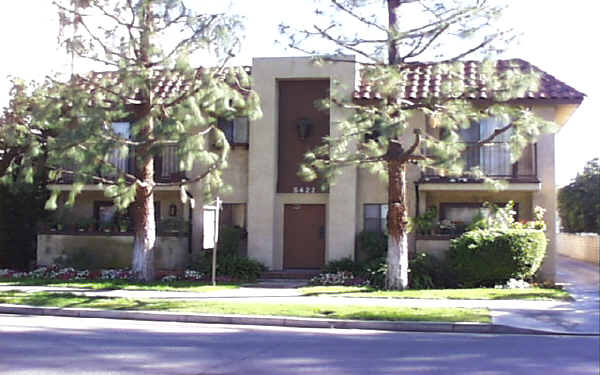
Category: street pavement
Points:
column 578, row 317
column 65, row 346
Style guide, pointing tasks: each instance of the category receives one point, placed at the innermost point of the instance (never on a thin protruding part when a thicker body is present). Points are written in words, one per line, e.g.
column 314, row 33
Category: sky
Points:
column 558, row 36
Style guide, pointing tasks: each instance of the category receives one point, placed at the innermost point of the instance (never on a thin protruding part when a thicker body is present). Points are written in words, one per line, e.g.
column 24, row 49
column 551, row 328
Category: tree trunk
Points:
column 144, row 219
column 397, row 255
column 144, row 228
column 144, row 237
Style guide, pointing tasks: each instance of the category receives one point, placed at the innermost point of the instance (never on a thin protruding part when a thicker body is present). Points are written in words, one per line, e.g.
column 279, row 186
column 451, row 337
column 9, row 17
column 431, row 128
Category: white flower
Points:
column 192, row 275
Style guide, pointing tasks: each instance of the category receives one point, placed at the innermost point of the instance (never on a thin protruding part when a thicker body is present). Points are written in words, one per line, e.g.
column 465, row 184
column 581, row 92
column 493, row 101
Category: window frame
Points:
column 382, row 209
column 228, row 127
column 443, row 208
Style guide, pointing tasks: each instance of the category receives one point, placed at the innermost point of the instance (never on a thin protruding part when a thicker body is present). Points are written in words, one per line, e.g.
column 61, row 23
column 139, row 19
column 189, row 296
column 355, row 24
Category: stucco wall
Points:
column 236, row 176
column 265, row 234
column 111, row 251
column 546, row 197
column 581, row 246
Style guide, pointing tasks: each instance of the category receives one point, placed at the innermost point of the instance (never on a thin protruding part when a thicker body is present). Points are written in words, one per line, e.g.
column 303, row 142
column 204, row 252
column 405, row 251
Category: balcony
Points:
column 166, row 166
column 494, row 160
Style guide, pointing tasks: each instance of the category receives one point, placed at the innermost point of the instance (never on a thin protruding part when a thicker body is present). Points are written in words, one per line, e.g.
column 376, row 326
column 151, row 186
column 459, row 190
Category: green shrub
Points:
column 230, row 240
column 421, row 269
column 375, row 271
column 343, row 265
column 490, row 257
column 371, row 245
column 236, row 267
column 429, row 272
column 425, row 223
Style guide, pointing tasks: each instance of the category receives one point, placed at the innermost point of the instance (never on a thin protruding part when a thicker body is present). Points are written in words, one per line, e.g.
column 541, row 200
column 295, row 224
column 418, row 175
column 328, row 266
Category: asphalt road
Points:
column 57, row 345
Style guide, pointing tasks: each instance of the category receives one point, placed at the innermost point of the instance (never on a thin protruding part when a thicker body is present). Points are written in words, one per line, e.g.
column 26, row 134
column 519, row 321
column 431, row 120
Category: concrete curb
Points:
column 279, row 321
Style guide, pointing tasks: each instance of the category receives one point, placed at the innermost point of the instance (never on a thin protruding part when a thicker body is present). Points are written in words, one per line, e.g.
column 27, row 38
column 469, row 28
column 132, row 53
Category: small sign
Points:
column 304, row 189
column 211, row 224
column 209, row 220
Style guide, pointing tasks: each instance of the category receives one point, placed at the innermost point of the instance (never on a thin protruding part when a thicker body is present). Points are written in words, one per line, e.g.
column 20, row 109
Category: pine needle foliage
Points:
column 140, row 52
column 392, row 40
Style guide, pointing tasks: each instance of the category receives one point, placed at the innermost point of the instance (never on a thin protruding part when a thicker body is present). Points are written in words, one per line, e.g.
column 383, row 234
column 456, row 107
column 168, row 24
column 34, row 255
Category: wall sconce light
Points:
column 304, row 125
column 172, row 210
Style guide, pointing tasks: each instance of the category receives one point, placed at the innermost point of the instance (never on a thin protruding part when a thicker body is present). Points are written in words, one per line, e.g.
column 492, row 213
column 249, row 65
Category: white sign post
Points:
column 211, row 233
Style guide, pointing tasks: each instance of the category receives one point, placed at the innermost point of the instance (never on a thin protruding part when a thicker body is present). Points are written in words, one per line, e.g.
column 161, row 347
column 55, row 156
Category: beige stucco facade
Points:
column 253, row 172
column 265, row 205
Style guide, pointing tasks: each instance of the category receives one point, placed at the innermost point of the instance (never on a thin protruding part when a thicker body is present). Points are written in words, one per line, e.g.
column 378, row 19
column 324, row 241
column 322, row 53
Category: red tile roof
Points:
column 423, row 82
column 164, row 85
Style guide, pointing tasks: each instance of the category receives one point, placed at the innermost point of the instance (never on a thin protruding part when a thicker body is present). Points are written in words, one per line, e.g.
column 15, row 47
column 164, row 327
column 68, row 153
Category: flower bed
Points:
column 55, row 272
column 338, row 278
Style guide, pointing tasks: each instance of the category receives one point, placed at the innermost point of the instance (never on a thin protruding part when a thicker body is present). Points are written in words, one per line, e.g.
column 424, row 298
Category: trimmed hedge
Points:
column 230, row 266
column 489, row 257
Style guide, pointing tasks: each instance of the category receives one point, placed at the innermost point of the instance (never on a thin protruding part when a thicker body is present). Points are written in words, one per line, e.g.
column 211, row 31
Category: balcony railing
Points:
column 493, row 159
column 166, row 166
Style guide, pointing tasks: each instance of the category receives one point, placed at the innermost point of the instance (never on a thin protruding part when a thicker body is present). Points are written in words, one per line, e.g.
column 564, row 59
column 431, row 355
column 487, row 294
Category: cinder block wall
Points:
column 581, row 246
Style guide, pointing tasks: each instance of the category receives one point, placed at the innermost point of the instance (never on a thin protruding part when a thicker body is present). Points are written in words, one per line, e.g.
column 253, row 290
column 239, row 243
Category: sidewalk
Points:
column 582, row 281
column 578, row 317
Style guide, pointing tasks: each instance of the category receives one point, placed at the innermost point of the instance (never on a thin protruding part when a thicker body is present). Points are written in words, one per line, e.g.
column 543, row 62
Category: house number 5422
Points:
column 302, row 189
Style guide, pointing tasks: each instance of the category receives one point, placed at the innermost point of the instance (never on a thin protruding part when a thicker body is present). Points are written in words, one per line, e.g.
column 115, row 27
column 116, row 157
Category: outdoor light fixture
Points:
column 172, row 210
column 304, row 125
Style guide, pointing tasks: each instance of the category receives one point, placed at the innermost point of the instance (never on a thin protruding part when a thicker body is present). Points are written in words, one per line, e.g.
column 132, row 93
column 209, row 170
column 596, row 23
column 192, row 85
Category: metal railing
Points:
column 493, row 159
column 166, row 166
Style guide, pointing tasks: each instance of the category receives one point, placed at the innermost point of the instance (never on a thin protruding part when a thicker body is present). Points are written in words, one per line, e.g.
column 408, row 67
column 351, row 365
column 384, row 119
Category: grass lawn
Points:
column 180, row 285
column 474, row 293
column 298, row 310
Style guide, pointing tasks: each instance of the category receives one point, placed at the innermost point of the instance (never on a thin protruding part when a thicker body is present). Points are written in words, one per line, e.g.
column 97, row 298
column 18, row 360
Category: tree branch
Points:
column 361, row 19
column 326, row 35
column 468, row 52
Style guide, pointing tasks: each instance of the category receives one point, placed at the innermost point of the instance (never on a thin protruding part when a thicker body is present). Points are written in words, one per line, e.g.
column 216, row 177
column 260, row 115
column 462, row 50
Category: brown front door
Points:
column 304, row 236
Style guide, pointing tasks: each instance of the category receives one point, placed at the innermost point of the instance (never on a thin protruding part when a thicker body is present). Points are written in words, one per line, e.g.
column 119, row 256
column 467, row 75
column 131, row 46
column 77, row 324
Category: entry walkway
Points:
column 579, row 278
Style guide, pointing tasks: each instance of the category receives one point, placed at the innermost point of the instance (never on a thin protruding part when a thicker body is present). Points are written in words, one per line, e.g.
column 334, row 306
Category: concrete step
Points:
column 290, row 274
column 278, row 283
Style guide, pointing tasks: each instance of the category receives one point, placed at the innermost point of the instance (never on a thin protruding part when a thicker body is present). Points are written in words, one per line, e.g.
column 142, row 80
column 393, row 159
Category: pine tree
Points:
column 143, row 49
column 390, row 41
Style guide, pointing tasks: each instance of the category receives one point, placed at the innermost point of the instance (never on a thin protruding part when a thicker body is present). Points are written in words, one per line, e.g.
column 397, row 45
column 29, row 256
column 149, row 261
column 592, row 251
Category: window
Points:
column 233, row 215
column 493, row 157
column 169, row 161
column 119, row 160
column 462, row 214
column 375, row 216
column 107, row 215
column 236, row 130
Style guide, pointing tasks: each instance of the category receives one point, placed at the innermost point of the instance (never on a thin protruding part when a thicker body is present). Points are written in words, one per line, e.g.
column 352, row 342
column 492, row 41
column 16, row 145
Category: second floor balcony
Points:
column 166, row 166
column 494, row 160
